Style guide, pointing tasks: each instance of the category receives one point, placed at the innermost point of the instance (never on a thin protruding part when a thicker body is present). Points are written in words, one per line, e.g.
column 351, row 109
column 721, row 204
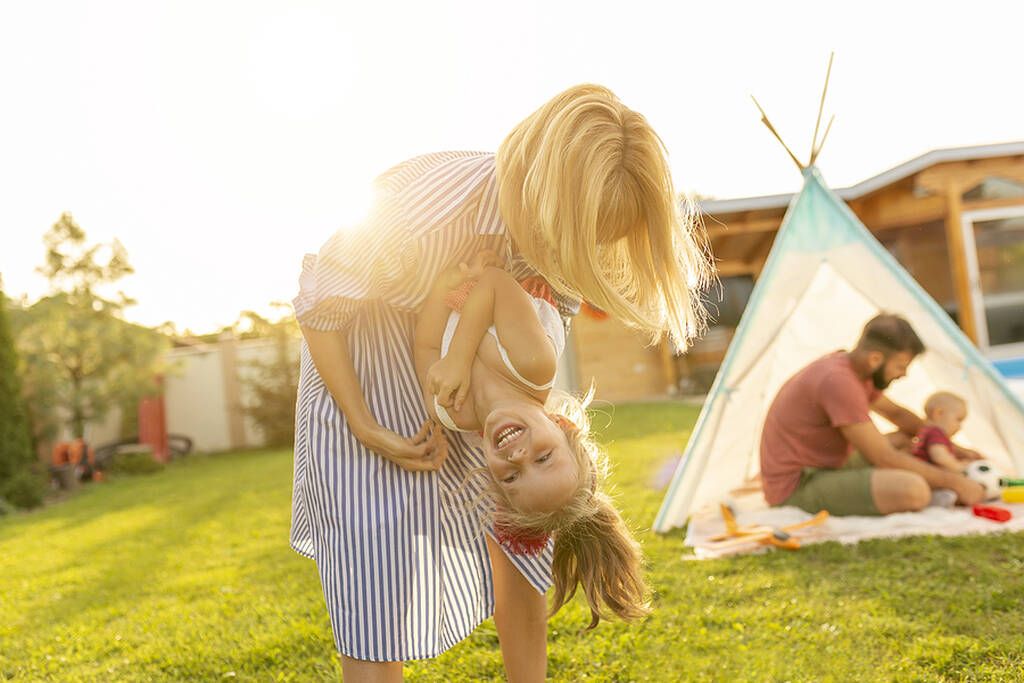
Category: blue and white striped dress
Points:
column 401, row 555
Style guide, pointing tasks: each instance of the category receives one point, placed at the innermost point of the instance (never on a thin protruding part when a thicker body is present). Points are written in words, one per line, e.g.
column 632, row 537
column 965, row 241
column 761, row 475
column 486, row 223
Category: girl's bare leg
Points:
column 521, row 616
column 362, row 671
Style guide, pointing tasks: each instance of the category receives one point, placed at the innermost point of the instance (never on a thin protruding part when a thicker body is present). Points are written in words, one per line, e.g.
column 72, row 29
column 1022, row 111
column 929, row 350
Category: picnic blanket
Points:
column 848, row 530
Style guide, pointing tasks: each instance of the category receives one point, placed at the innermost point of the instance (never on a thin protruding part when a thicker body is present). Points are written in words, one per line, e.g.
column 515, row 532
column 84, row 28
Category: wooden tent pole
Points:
column 814, row 157
column 768, row 124
column 815, row 147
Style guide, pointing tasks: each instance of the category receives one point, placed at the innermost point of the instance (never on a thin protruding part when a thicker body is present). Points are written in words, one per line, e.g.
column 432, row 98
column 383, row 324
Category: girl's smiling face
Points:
column 529, row 457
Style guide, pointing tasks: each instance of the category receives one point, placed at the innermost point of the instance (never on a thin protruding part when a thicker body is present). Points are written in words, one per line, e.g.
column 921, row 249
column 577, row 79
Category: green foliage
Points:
column 19, row 484
column 80, row 357
column 24, row 489
column 134, row 463
column 188, row 577
column 82, row 270
column 271, row 385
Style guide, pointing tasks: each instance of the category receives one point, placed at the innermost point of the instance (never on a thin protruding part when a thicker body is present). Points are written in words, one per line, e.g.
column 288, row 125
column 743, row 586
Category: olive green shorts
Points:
column 843, row 491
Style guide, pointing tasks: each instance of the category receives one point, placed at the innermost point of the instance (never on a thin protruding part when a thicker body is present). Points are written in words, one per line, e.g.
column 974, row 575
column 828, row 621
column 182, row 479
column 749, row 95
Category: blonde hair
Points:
column 586, row 192
column 593, row 547
column 942, row 399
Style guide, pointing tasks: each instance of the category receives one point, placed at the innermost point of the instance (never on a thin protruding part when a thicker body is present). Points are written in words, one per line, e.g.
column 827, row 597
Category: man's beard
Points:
column 878, row 378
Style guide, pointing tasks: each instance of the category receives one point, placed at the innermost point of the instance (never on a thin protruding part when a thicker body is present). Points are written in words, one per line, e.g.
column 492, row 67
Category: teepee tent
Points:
column 825, row 277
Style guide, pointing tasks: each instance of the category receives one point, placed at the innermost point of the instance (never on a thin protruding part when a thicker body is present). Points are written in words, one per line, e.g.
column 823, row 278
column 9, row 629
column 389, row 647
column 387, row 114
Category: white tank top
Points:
column 549, row 320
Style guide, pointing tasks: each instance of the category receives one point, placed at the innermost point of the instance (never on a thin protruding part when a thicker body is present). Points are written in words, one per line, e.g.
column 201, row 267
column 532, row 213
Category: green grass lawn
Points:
column 187, row 575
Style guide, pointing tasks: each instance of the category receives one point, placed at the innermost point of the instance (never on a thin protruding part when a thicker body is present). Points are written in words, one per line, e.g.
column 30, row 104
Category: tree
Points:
column 19, row 484
column 81, row 357
column 271, row 385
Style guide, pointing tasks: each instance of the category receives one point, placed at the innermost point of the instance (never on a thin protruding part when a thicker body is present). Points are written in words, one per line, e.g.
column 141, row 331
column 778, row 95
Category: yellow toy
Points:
column 735, row 535
column 1014, row 494
column 1013, row 490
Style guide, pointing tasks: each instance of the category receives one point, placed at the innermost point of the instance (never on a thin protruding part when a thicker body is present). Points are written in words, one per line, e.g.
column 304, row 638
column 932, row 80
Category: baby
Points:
column 944, row 412
column 486, row 351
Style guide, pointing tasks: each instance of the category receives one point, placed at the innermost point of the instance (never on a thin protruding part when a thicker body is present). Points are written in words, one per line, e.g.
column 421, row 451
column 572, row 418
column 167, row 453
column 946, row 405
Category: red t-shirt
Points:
column 802, row 426
column 930, row 435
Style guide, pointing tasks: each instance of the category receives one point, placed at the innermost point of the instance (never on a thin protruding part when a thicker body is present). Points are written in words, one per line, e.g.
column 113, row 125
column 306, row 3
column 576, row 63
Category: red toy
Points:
column 992, row 512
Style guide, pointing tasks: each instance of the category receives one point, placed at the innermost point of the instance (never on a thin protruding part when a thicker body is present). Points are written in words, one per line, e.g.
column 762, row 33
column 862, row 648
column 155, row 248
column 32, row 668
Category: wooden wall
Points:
column 617, row 360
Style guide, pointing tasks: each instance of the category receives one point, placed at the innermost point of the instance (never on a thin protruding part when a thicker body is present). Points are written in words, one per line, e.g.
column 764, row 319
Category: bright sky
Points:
column 219, row 141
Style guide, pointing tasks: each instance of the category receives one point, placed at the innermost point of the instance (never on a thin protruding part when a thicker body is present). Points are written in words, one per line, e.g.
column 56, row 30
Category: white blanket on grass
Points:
column 930, row 521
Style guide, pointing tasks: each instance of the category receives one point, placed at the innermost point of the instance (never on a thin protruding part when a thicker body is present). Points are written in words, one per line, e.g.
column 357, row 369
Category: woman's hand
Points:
column 452, row 277
column 448, row 380
column 424, row 452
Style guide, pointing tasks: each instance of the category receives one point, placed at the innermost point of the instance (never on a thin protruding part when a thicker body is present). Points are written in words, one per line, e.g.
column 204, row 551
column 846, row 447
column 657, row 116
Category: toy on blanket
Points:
column 1013, row 490
column 993, row 512
column 986, row 474
column 736, row 535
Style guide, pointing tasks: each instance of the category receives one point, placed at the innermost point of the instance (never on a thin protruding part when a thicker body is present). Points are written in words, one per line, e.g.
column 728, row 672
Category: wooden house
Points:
column 954, row 218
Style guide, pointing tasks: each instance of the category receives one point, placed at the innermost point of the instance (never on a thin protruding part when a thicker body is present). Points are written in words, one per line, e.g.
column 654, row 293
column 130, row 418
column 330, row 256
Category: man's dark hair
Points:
column 890, row 333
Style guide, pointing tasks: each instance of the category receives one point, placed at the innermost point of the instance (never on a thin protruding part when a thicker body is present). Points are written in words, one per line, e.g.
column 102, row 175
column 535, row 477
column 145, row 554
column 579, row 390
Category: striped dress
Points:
column 401, row 555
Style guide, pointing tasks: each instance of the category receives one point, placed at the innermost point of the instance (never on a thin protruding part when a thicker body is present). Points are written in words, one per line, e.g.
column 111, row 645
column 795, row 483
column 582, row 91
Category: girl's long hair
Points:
column 593, row 548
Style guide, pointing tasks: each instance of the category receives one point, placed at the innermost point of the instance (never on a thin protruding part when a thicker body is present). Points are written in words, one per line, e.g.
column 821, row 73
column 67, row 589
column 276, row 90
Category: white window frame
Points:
column 967, row 221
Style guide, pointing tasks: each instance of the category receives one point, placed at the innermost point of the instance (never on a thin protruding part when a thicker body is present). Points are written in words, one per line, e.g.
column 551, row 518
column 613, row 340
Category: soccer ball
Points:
column 986, row 474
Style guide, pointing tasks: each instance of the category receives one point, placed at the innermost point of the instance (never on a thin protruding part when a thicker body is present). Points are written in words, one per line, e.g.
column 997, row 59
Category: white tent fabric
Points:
column 825, row 278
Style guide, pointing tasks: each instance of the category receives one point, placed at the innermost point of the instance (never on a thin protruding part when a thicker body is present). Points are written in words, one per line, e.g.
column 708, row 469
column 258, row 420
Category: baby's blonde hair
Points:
column 942, row 399
column 586, row 192
column 593, row 547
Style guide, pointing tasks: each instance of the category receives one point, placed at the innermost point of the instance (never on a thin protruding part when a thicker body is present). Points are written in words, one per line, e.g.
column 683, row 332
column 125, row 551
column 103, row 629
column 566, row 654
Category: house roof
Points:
column 909, row 168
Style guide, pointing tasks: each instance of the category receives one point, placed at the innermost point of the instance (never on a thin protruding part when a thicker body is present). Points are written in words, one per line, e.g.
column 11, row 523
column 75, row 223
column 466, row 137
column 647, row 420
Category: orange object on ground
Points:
column 60, row 455
column 735, row 535
column 153, row 426
column 72, row 453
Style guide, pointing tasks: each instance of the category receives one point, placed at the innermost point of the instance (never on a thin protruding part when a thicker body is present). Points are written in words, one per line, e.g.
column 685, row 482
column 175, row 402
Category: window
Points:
column 726, row 303
column 999, row 244
column 921, row 249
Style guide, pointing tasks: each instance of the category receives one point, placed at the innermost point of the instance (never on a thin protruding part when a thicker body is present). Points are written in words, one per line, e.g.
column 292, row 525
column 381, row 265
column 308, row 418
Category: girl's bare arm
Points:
column 499, row 300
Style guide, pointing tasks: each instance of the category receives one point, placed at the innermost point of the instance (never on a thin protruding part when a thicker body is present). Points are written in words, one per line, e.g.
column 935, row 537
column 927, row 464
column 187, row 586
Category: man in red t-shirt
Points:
column 820, row 418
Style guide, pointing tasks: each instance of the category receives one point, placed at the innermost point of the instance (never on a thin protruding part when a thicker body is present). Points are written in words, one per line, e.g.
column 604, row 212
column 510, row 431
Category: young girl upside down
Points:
column 486, row 351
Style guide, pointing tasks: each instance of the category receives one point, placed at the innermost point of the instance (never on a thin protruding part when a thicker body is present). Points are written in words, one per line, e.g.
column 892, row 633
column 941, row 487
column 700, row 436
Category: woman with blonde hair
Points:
column 580, row 194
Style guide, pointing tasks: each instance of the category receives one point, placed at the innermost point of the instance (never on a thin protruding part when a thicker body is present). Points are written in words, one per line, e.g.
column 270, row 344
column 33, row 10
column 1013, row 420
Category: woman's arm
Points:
column 329, row 351
column 430, row 324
